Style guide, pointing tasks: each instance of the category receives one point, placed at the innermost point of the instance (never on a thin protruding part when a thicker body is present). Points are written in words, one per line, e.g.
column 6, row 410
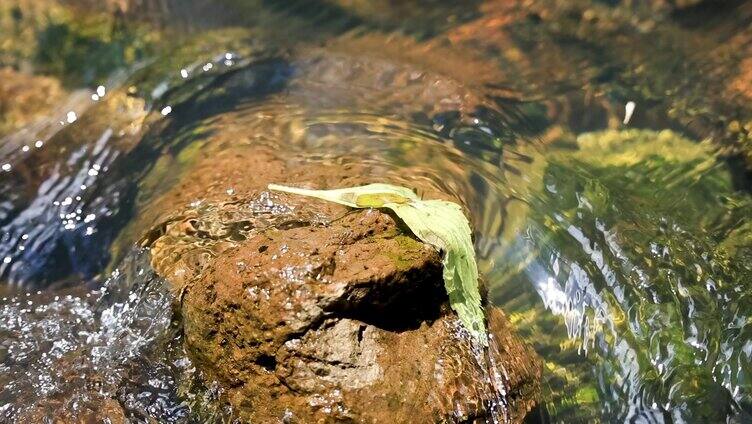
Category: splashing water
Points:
column 67, row 355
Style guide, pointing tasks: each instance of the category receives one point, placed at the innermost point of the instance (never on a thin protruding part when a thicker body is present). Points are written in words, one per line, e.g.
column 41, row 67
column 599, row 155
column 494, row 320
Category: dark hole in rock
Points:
column 267, row 362
column 289, row 225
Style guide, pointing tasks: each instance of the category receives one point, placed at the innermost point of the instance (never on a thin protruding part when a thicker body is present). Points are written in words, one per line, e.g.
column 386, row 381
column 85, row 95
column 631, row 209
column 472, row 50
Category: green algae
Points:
column 406, row 244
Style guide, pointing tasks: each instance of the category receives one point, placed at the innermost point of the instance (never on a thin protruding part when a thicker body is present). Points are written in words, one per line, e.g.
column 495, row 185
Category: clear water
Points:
column 620, row 246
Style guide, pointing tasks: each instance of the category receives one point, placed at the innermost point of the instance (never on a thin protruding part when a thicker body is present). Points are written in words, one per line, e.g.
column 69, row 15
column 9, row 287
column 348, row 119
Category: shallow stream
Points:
column 602, row 148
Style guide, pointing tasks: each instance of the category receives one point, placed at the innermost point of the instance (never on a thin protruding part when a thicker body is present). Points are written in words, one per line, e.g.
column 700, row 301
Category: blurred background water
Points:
column 603, row 149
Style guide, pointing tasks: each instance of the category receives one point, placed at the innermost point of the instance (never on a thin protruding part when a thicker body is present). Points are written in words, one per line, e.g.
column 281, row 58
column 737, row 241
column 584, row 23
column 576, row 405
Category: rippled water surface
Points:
column 602, row 148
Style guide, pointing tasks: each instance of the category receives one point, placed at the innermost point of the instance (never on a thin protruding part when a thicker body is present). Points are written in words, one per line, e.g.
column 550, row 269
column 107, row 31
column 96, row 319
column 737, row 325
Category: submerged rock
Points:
column 25, row 98
column 306, row 311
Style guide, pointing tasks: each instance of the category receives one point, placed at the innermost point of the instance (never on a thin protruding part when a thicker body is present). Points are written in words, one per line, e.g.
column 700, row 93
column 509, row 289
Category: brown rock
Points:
column 96, row 411
column 742, row 83
column 347, row 321
column 305, row 311
column 25, row 98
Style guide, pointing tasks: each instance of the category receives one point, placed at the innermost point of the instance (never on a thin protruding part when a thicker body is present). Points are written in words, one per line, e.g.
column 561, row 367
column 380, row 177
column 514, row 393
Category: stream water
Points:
column 602, row 149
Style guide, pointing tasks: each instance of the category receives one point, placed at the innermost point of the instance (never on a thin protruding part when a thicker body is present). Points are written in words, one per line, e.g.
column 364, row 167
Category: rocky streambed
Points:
column 614, row 238
column 281, row 308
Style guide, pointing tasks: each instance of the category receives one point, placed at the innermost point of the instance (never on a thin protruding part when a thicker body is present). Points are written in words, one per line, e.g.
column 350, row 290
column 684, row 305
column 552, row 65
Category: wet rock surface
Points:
column 345, row 321
column 101, row 411
column 305, row 311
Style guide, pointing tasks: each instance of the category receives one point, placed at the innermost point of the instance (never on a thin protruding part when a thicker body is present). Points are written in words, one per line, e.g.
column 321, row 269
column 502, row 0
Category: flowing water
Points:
column 602, row 149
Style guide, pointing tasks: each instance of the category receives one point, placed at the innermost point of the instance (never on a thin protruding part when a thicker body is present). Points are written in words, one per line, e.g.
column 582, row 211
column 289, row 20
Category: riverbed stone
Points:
column 25, row 98
column 347, row 321
column 307, row 311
